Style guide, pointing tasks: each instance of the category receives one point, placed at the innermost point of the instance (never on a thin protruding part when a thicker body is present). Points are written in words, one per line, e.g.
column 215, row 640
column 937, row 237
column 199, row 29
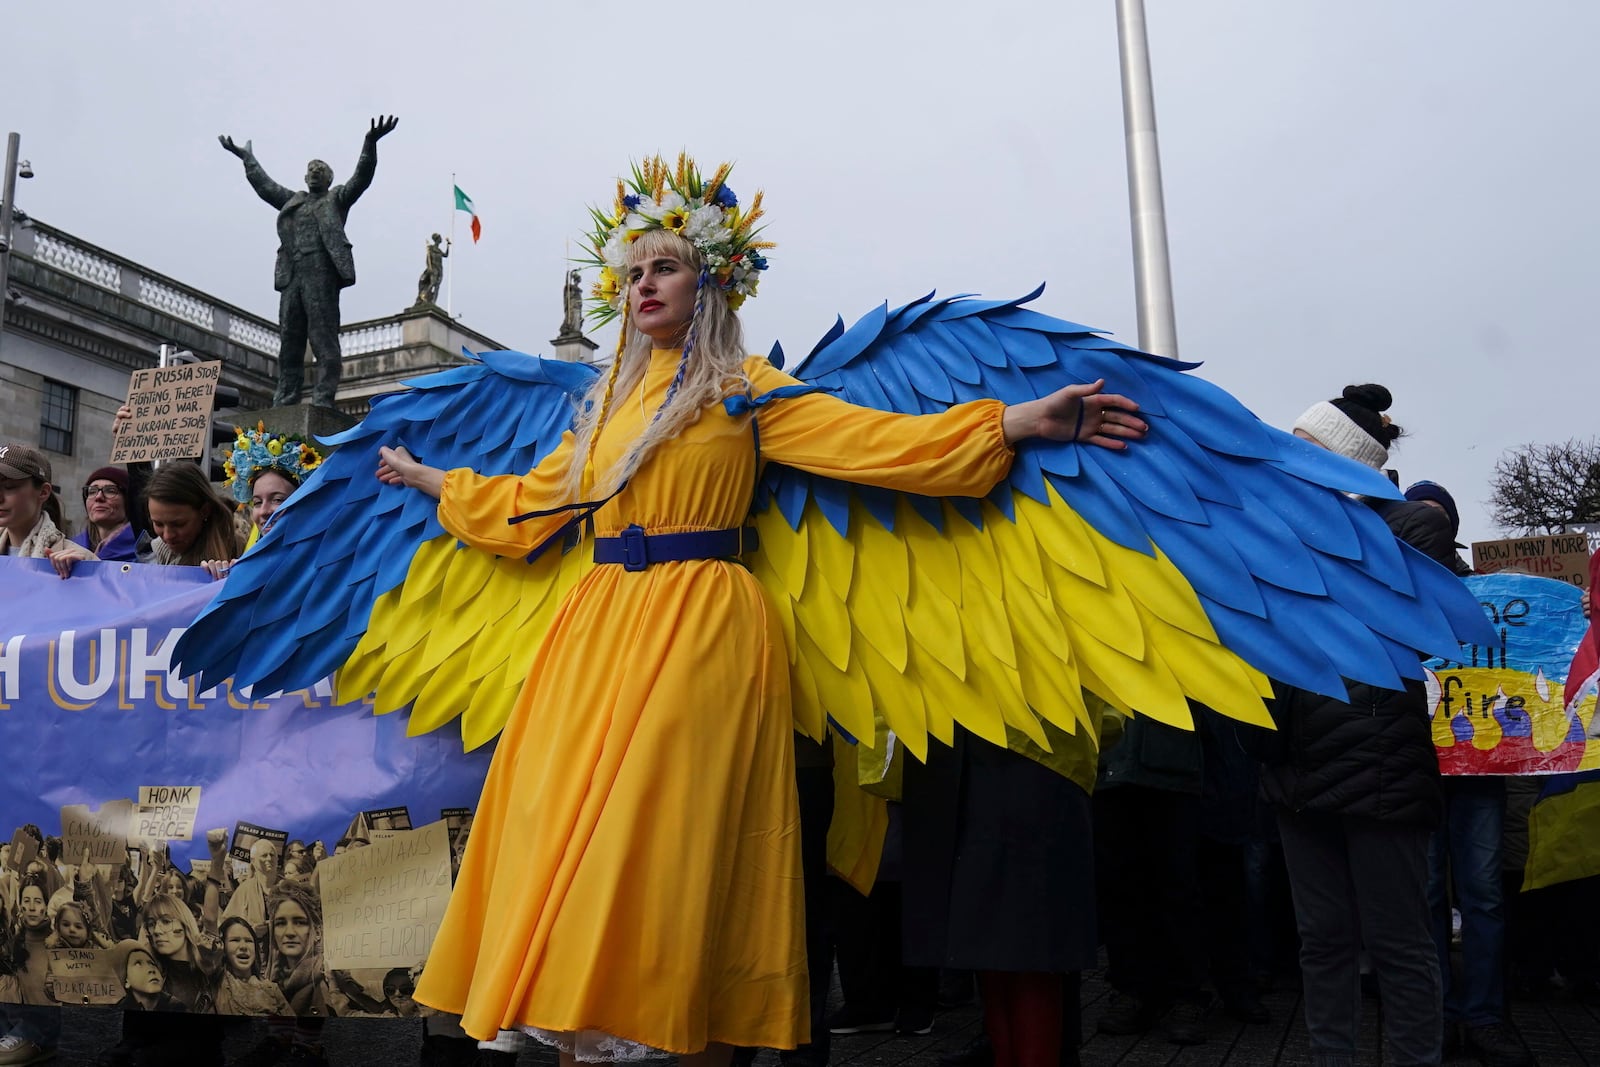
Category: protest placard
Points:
column 24, row 847
column 83, row 976
column 166, row 812
column 104, row 832
column 171, row 409
column 382, row 904
column 396, row 818
column 1564, row 557
column 246, row 834
column 1499, row 708
column 458, row 824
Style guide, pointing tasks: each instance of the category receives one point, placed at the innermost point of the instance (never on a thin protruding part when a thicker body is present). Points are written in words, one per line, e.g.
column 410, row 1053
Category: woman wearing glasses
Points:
column 108, row 533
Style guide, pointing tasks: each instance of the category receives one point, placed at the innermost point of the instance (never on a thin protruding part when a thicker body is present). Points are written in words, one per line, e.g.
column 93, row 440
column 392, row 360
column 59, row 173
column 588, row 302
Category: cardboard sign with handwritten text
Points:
column 171, row 413
column 1564, row 557
column 166, row 812
column 103, row 832
column 24, row 846
column 382, row 904
column 84, row 976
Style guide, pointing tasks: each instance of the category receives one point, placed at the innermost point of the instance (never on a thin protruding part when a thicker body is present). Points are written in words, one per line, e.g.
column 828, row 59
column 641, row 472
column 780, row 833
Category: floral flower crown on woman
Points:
column 260, row 449
column 679, row 199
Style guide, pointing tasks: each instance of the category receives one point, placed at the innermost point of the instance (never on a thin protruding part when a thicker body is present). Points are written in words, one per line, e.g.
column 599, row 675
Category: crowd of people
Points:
column 654, row 883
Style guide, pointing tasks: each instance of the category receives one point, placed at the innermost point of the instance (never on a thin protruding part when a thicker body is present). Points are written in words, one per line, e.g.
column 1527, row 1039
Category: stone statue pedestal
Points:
column 305, row 420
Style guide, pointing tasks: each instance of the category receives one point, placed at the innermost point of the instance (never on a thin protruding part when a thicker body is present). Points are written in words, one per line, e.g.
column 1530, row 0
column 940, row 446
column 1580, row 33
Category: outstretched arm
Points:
column 267, row 189
column 1075, row 413
column 397, row 467
column 962, row 451
column 367, row 164
column 475, row 507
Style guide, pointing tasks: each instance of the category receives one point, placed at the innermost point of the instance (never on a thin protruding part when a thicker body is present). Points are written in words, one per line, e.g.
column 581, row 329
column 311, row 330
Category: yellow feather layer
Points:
column 1004, row 630
column 458, row 636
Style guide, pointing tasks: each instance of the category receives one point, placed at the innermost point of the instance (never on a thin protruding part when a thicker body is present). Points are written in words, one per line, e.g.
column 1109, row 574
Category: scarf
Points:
column 249, row 996
column 303, row 985
column 37, row 545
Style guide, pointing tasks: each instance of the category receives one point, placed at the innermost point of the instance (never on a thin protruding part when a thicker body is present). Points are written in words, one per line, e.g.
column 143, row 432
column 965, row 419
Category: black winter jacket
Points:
column 1371, row 756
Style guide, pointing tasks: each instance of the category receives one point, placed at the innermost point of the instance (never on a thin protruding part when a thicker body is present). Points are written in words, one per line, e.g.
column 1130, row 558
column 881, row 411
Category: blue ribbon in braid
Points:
column 688, row 344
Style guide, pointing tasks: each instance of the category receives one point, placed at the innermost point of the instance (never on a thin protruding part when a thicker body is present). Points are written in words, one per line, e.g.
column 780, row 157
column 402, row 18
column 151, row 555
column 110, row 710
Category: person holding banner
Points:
column 191, row 522
column 30, row 512
column 264, row 470
column 108, row 534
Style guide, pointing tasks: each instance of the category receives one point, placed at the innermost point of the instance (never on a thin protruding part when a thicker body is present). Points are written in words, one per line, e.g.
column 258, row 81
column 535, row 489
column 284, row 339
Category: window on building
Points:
column 58, row 417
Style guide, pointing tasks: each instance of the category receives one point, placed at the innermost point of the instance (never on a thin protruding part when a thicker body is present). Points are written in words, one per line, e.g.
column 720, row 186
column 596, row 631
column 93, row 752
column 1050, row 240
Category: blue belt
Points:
column 636, row 550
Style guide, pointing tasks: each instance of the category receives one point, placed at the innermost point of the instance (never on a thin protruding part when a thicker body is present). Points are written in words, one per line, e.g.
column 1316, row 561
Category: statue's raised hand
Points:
column 242, row 153
column 382, row 126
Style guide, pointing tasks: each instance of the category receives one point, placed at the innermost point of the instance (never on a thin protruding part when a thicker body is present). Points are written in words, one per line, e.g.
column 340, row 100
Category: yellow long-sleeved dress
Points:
column 634, row 865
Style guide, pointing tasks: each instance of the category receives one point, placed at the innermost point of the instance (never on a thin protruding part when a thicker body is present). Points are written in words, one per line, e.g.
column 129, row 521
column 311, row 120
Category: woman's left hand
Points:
column 1076, row 413
column 64, row 555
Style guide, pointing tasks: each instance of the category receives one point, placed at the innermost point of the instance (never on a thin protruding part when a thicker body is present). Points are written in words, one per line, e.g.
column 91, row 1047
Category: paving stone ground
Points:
column 1561, row 1032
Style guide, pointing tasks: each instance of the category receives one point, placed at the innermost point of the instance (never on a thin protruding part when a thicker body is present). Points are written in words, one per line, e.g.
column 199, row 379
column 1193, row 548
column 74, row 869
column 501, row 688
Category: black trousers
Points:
column 1147, row 854
column 1364, row 883
column 872, row 976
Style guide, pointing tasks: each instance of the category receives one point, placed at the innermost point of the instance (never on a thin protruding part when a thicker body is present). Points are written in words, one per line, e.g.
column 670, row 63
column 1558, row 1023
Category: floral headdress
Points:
column 260, row 449
column 678, row 198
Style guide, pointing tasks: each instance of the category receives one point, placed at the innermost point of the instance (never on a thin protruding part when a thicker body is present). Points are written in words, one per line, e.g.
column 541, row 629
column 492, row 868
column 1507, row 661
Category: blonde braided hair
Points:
column 587, row 431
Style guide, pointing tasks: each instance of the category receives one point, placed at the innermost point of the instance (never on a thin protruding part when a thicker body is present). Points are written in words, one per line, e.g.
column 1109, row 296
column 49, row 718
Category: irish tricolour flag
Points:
column 464, row 203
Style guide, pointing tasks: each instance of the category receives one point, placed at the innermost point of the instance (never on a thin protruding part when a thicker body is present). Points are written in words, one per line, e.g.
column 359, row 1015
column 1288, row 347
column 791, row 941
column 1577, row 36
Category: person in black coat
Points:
column 1356, row 785
column 998, row 878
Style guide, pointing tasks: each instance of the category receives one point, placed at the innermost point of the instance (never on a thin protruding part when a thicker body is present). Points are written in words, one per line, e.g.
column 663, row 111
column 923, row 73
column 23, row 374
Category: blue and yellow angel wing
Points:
column 359, row 578
column 1194, row 565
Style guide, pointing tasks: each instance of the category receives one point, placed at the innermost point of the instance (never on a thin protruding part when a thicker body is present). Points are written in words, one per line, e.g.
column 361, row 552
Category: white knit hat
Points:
column 1338, row 432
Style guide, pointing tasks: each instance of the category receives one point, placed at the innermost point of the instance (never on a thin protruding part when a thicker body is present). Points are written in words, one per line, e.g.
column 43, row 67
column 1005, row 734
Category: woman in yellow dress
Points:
column 633, row 880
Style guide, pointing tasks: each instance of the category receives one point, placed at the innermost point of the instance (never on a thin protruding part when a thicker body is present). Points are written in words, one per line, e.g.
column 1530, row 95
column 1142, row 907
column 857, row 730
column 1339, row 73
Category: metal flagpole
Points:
column 450, row 271
column 1152, row 271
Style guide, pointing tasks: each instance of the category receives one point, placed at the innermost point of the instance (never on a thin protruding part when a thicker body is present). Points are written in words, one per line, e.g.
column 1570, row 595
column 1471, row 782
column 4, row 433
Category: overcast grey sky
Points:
column 1389, row 190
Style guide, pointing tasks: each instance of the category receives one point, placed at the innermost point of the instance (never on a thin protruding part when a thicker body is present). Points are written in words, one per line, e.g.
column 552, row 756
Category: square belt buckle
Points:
column 634, row 556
